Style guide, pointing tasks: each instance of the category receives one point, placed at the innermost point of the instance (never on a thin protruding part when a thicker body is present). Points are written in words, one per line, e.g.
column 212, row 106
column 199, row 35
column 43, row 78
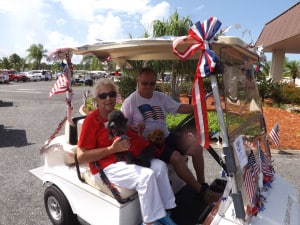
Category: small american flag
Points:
column 274, row 134
column 61, row 85
column 266, row 166
column 250, row 176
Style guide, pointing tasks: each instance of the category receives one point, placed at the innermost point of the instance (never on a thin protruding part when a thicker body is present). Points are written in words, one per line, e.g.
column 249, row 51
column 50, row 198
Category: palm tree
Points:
column 292, row 69
column 15, row 61
column 172, row 26
column 36, row 54
column 5, row 64
column 176, row 27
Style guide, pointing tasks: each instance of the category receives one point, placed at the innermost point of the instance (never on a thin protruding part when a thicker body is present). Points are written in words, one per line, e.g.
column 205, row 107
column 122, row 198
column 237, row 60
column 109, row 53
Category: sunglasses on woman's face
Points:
column 104, row 95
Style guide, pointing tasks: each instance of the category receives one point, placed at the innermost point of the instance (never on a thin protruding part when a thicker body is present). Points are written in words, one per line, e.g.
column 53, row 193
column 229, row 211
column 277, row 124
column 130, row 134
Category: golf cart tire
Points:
column 58, row 208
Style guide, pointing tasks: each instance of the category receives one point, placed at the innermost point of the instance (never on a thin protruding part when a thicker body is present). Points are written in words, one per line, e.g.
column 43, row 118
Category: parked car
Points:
column 88, row 81
column 4, row 78
column 33, row 76
column 46, row 75
column 15, row 76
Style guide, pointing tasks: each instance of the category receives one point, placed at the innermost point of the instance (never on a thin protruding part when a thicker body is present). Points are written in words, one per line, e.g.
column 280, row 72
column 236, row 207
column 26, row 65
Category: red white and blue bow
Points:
column 201, row 35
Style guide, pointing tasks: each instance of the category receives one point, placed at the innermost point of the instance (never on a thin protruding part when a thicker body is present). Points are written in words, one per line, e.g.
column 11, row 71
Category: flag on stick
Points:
column 266, row 164
column 250, row 176
column 274, row 134
column 61, row 85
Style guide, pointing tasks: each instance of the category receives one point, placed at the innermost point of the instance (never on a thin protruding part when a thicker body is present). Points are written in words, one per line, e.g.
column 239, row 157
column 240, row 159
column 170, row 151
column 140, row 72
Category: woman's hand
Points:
column 120, row 144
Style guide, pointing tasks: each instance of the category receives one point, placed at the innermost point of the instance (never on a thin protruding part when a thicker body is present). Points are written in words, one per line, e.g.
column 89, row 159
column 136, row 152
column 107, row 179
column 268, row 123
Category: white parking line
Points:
column 24, row 91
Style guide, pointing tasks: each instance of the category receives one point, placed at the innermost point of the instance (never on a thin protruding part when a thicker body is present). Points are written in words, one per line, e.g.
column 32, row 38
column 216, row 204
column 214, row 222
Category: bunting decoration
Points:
column 200, row 35
column 274, row 134
column 62, row 85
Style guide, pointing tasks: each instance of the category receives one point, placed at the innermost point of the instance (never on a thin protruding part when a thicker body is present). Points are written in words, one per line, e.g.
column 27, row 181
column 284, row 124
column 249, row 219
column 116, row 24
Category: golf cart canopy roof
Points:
column 156, row 49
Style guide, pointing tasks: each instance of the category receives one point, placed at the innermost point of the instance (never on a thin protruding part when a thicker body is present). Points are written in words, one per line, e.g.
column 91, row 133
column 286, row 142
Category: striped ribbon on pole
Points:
column 200, row 36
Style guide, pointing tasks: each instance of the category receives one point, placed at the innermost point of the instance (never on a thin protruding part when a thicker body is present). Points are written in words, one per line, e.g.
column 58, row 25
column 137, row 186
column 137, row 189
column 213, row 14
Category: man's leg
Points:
column 181, row 169
column 185, row 174
column 196, row 151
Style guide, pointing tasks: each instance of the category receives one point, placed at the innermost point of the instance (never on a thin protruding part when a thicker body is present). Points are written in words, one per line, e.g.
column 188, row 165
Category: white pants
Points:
column 152, row 184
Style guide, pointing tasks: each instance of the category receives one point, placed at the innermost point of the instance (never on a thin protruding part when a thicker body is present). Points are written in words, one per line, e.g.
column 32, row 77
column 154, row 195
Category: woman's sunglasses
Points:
column 111, row 94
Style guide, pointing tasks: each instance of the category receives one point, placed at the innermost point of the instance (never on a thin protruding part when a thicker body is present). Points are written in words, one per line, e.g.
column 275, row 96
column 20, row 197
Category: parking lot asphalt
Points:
column 27, row 119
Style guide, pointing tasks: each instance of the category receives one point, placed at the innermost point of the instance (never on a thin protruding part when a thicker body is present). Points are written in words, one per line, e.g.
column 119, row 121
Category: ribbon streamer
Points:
column 201, row 35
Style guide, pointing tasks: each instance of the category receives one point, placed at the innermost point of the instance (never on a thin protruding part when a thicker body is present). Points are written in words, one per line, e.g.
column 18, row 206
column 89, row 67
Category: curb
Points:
column 285, row 152
column 273, row 151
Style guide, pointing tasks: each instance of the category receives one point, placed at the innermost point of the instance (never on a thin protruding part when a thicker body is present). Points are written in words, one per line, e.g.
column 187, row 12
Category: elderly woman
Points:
column 152, row 184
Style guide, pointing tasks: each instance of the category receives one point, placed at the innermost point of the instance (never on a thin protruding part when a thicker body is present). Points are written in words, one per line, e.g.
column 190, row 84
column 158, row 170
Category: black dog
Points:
column 117, row 126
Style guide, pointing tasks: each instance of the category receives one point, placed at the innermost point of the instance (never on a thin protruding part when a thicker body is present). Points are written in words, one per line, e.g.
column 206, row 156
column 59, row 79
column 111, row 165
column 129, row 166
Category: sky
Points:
column 72, row 23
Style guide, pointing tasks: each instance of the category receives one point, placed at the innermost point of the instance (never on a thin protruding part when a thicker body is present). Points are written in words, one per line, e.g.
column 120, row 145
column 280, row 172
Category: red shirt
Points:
column 94, row 135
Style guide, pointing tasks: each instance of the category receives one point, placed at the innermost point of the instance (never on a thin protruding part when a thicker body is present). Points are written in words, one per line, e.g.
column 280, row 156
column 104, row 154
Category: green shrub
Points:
column 127, row 85
column 164, row 87
column 186, row 88
column 291, row 94
column 174, row 120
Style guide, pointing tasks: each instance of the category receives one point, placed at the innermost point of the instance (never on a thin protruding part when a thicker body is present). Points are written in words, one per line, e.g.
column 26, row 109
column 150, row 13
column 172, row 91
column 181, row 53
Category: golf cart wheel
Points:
column 58, row 207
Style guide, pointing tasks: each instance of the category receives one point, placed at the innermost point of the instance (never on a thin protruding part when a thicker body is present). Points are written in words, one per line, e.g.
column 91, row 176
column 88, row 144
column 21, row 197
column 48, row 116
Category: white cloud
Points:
column 55, row 23
column 60, row 22
column 78, row 9
column 158, row 12
column 64, row 41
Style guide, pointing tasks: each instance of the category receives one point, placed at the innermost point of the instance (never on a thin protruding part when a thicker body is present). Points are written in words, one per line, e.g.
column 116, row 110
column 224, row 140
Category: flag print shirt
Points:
column 150, row 110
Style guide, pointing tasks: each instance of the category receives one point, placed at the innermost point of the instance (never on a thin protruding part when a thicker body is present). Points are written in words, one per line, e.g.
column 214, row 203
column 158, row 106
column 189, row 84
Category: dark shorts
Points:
column 172, row 145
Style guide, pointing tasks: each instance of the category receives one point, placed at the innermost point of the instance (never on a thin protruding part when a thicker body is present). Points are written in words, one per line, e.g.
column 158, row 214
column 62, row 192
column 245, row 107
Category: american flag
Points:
column 151, row 112
column 274, row 134
column 266, row 166
column 61, row 85
column 250, row 176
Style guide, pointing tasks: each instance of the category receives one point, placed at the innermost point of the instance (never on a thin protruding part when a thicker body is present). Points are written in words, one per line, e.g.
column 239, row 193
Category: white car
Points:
column 72, row 194
column 34, row 75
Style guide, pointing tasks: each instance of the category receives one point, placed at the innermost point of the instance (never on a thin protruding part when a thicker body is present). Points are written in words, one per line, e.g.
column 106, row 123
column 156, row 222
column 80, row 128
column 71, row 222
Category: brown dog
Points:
column 157, row 138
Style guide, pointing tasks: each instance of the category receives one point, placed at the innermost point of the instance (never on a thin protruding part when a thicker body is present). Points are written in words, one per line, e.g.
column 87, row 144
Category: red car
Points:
column 15, row 76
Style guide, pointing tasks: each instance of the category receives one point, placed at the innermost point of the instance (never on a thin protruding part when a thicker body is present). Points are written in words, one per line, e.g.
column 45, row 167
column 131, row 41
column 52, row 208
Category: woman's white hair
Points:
column 104, row 82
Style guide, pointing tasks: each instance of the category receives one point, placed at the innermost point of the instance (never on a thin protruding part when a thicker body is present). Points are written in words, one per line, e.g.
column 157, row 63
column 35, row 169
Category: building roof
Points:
column 282, row 32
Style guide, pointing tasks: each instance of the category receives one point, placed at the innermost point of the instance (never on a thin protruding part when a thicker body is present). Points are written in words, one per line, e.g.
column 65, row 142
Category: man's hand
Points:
column 139, row 128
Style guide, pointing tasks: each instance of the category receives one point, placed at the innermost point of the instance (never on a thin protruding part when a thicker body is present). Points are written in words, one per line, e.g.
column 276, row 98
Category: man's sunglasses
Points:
column 145, row 83
column 111, row 94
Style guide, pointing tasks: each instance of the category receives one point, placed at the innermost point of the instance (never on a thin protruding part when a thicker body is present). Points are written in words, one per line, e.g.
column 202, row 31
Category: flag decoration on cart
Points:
column 274, row 134
column 266, row 169
column 61, row 85
column 266, row 164
column 201, row 35
column 250, row 176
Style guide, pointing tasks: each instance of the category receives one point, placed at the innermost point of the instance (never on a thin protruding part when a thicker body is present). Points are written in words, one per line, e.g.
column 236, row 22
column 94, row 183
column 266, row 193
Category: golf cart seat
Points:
column 83, row 172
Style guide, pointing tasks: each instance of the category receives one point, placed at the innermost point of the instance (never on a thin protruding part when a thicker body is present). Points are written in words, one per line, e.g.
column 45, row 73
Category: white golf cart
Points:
column 251, row 193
